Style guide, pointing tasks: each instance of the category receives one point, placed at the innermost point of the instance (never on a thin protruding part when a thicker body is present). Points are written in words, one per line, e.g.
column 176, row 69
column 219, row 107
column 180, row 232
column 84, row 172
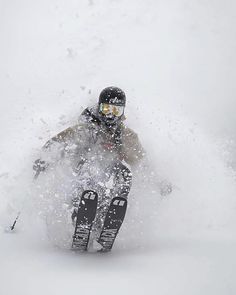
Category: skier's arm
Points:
column 67, row 142
column 132, row 150
column 134, row 154
column 145, row 171
column 63, row 137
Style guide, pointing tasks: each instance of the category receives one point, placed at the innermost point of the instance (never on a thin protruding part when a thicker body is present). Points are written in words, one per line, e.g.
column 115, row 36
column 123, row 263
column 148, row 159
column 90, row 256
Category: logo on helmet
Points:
column 112, row 95
column 115, row 100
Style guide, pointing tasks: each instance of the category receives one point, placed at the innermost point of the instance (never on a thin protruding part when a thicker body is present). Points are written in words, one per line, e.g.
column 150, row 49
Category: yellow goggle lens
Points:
column 111, row 109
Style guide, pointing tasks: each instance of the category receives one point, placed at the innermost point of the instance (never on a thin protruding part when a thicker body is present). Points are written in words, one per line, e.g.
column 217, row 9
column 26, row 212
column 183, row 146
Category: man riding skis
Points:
column 99, row 148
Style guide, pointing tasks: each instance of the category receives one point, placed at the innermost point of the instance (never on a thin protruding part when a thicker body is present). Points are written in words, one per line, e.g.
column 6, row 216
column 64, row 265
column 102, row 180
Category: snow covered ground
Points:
column 176, row 62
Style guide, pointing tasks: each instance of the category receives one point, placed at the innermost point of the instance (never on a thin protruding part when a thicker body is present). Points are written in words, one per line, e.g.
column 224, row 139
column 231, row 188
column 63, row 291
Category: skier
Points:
column 101, row 142
column 100, row 149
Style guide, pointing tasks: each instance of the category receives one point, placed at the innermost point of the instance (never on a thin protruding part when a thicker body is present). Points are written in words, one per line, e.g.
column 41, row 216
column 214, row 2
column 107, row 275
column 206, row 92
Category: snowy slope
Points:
column 176, row 62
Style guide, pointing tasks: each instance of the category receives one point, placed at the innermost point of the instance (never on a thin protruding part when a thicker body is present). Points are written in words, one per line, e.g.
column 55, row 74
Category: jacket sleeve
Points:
column 132, row 150
column 70, row 142
column 64, row 137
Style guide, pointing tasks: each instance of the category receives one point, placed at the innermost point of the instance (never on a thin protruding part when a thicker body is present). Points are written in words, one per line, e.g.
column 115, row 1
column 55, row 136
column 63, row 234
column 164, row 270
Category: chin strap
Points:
column 97, row 118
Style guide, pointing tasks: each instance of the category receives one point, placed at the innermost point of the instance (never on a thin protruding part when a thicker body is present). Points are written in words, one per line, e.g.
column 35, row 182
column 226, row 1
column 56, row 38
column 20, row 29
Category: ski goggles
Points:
column 107, row 109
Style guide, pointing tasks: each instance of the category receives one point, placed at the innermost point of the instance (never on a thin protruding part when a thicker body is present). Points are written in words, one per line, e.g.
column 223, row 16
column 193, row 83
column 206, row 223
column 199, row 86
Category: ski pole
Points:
column 19, row 213
column 14, row 223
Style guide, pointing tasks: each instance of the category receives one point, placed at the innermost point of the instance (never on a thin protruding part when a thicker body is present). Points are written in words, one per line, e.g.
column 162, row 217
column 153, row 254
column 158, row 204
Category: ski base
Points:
column 113, row 221
column 84, row 220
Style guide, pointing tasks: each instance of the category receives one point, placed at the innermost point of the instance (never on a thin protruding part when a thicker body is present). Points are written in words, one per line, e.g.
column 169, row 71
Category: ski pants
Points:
column 120, row 177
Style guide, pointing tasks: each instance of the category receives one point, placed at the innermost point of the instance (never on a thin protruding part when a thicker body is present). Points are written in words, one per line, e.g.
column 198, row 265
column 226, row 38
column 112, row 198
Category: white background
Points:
column 176, row 62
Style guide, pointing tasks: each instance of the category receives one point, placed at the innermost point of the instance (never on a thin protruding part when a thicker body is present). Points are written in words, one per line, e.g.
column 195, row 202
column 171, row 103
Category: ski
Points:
column 113, row 221
column 84, row 220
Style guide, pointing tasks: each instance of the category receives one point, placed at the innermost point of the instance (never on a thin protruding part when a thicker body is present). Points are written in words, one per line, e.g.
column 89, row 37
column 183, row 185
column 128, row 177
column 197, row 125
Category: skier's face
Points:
column 111, row 113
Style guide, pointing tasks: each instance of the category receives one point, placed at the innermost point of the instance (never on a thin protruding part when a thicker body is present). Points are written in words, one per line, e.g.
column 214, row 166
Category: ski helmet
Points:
column 111, row 105
column 112, row 95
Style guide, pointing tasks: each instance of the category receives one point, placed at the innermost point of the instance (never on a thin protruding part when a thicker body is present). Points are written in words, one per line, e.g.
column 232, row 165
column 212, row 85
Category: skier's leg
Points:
column 121, row 177
column 114, row 212
column 122, row 181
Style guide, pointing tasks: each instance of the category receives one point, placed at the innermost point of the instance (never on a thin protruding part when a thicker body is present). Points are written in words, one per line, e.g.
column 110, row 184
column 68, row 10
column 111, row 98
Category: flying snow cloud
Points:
column 176, row 62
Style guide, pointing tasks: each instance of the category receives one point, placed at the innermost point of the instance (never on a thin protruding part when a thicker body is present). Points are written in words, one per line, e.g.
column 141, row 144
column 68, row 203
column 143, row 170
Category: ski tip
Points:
column 119, row 201
column 89, row 194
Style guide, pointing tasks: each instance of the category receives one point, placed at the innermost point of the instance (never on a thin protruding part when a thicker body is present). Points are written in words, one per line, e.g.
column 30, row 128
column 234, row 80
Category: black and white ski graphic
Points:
column 113, row 221
column 84, row 220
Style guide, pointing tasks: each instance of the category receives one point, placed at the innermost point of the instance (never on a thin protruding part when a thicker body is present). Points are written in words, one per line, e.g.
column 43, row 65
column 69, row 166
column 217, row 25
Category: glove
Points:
column 40, row 166
column 165, row 188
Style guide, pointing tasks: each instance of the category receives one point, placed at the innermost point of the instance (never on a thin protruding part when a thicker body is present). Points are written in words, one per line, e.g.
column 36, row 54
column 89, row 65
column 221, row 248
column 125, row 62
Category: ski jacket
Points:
column 91, row 137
